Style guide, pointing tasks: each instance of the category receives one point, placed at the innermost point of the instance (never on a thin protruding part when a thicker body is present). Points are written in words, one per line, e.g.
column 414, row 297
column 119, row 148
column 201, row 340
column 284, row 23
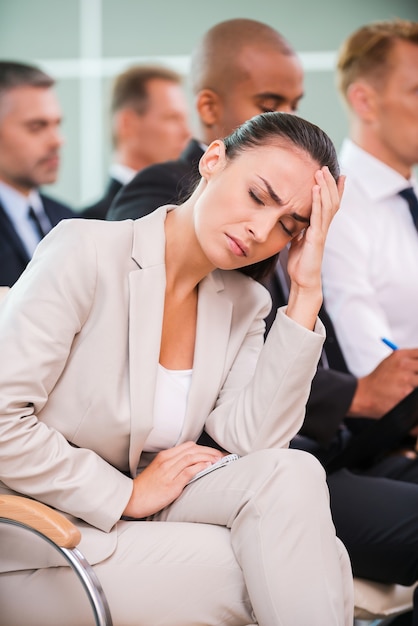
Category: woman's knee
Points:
column 289, row 462
column 284, row 471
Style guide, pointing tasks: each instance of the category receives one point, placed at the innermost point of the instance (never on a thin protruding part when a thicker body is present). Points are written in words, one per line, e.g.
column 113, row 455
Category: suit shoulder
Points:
column 56, row 207
column 158, row 171
column 98, row 210
column 94, row 230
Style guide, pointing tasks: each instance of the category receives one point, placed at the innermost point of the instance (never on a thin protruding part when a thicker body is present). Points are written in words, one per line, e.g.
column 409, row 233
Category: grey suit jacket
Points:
column 80, row 341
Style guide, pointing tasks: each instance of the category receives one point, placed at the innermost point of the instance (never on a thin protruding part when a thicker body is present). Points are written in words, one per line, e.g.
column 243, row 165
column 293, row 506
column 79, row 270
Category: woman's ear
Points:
column 207, row 104
column 213, row 159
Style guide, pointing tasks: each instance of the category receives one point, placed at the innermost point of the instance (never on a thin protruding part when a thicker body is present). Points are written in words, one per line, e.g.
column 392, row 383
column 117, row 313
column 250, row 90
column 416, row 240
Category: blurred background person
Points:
column 30, row 143
column 370, row 269
column 149, row 125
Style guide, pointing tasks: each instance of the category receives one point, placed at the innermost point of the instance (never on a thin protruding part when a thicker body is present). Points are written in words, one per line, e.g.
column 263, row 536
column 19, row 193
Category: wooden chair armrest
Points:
column 40, row 517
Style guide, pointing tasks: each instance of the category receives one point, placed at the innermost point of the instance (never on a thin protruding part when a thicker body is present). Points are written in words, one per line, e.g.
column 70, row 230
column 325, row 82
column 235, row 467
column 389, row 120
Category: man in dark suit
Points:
column 375, row 509
column 30, row 142
column 149, row 125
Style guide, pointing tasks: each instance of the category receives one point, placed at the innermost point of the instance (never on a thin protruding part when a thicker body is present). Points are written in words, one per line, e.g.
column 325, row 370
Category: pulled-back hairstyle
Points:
column 366, row 52
column 286, row 130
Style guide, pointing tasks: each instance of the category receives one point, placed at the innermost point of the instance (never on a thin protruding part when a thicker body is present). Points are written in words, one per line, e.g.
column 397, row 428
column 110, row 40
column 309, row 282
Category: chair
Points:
column 61, row 534
column 376, row 604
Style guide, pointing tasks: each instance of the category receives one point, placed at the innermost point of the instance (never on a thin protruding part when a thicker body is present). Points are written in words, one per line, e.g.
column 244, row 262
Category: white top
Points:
column 16, row 205
column 370, row 268
column 170, row 406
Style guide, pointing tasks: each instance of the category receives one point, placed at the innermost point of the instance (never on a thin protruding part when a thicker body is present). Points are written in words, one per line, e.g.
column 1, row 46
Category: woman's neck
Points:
column 186, row 265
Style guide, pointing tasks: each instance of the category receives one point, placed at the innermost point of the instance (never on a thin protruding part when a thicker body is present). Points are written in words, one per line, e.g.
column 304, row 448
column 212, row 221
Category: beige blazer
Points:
column 80, row 338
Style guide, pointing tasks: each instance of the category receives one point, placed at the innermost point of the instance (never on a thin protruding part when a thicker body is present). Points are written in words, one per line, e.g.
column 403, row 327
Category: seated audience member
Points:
column 100, row 417
column 149, row 125
column 30, row 142
column 239, row 69
column 235, row 50
column 370, row 268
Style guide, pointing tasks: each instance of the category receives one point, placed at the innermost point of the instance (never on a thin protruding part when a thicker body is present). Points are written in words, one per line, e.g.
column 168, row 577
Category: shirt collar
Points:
column 377, row 179
column 16, row 204
column 122, row 173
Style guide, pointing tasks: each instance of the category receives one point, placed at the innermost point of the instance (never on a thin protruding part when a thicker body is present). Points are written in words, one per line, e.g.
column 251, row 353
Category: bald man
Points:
column 239, row 69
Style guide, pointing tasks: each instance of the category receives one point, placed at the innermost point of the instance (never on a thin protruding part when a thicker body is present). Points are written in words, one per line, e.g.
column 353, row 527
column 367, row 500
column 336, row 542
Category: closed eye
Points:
column 256, row 199
column 286, row 230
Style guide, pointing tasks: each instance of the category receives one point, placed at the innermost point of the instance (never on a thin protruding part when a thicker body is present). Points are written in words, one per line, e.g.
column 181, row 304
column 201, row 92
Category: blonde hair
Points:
column 367, row 52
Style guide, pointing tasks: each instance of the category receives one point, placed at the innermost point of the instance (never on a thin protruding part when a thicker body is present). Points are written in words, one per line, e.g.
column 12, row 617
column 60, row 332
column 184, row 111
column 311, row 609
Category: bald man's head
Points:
column 242, row 68
column 215, row 60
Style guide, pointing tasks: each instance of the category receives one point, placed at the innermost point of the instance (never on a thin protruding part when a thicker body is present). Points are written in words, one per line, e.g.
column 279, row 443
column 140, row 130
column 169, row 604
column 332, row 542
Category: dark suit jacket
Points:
column 99, row 209
column 163, row 183
column 13, row 255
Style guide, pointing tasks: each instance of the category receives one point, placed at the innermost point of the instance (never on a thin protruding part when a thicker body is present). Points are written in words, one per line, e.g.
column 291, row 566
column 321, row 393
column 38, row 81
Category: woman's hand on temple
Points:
column 306, row 251
column 163, row 480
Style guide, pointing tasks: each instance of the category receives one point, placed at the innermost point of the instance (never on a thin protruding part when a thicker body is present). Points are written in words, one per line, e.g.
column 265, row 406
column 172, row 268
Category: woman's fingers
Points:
column 163, row 480
column 187, row 459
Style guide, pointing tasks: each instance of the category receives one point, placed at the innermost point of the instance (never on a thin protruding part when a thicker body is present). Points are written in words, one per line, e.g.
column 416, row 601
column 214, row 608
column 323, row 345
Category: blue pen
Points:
column 389, row 343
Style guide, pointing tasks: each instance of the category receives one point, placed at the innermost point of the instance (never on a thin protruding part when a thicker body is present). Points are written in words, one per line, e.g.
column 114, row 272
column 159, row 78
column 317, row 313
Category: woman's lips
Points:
column 237, row 247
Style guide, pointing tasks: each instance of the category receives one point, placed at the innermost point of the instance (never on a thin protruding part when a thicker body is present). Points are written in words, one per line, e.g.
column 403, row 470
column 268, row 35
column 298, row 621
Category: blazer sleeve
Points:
column 39, row 321
column 151, row 188
column 269, row 409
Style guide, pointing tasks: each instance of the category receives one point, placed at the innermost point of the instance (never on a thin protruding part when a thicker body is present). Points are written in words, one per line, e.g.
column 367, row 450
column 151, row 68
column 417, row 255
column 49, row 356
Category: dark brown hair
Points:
column 286, row 129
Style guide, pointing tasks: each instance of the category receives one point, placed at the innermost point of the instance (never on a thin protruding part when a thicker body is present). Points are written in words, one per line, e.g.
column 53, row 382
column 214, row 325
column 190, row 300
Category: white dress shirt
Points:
column 16, row 206
column 370, row 268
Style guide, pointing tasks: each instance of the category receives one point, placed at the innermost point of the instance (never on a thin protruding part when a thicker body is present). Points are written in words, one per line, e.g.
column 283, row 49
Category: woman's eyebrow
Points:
column 273, row 195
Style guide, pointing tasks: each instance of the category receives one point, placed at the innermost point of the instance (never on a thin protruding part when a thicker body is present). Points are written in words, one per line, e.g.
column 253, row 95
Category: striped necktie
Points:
column 409, row 195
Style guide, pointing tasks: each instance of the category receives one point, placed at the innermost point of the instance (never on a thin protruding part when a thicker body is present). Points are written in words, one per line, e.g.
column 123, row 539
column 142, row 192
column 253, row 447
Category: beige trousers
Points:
column 250, row 543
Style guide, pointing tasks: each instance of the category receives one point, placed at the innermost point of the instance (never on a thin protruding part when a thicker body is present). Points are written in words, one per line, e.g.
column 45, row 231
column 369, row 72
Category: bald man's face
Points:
column 268, row 81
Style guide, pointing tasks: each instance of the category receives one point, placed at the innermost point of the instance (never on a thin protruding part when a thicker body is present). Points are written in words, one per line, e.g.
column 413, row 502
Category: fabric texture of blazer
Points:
column 99, row 209
column 80, row 334
column 13, row 255
column 164, row 183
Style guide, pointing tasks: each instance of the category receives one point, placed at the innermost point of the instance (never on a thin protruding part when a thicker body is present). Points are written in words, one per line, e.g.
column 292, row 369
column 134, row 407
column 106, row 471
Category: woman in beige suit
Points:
column 120, row 343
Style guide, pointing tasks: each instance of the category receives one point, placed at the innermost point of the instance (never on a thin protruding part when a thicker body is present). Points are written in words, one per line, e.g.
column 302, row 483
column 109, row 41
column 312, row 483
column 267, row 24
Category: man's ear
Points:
column 207, row 105
column 361, row 97
column 213, row 160
column 126, row 123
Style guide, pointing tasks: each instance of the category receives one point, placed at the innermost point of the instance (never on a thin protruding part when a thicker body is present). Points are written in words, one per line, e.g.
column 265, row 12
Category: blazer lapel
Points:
column 146, row 308
column 212, row 338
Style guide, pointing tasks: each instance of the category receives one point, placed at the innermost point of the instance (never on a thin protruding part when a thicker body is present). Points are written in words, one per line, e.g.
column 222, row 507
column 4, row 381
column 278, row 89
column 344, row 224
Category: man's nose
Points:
column 56, row 137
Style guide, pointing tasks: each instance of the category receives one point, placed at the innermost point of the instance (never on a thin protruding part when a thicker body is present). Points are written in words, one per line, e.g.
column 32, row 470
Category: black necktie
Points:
column 34, row 218
column 409, row 195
